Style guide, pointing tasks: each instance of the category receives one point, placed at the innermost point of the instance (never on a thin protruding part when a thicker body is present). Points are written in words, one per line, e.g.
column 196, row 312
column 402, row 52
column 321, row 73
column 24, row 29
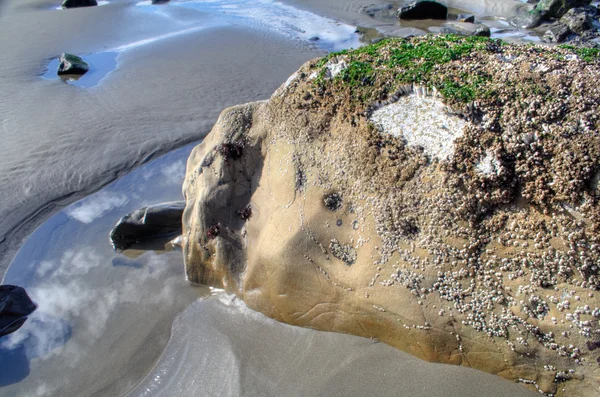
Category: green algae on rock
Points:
column 475, row 242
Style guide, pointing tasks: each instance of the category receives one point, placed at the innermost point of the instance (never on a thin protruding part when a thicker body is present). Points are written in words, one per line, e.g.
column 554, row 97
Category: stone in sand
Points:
column 482, row 31
column 160, row 1
column 147, row 223
column 70, row 64
column 466, row 18
column 15, row 306
column 423, row 10
column 79, row 3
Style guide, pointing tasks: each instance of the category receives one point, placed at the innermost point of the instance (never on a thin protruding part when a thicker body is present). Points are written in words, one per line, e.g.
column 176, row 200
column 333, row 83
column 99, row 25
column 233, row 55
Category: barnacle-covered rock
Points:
column 439, row 194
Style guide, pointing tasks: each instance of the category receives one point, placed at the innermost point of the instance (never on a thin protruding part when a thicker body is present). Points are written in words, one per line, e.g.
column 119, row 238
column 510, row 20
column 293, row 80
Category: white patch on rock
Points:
column 489, row 165
column 334, row 68
column 422, row 121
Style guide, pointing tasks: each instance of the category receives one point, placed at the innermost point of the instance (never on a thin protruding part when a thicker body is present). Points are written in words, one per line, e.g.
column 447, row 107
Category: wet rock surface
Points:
column 15, row 306
column 485, row 254
column 70, row 64
column 148, row 227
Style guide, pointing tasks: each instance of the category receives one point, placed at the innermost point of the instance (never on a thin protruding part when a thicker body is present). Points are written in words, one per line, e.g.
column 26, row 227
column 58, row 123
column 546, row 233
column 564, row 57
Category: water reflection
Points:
column 101, row 65
column 95, row 307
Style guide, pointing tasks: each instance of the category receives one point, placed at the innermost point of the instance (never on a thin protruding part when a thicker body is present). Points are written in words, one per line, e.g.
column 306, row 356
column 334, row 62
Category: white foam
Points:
column 422, row 121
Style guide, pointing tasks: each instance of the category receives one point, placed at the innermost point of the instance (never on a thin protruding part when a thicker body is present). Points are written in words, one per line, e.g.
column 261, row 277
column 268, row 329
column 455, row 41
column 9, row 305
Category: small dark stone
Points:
column 70, row 64
column 15, row 306
column 557, row 33
column 482, row 31
column 339, row 222
column 314, row 38
column 423, row 10
column 468, row 18
column 78, row 3
column 159, row 1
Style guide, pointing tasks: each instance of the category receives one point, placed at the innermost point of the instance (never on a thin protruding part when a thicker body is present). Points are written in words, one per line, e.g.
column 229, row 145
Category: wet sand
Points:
column 104, row 318
column 165, row 75
column 221, row 348
column 60, row 142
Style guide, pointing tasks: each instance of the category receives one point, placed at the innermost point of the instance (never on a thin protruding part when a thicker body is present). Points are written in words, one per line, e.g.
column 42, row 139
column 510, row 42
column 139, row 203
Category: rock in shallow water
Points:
column 161, row 221
column 423, row 10
column 70, row 64
column 79, row 3
column 15, row 306
column 469, row 257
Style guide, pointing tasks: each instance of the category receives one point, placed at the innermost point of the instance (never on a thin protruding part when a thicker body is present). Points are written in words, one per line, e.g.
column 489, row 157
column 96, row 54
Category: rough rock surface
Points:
column 485, row 256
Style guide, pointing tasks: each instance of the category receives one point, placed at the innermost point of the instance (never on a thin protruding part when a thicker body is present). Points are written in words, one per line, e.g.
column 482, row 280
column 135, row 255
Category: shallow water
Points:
column 103, row 318
column 101, row 65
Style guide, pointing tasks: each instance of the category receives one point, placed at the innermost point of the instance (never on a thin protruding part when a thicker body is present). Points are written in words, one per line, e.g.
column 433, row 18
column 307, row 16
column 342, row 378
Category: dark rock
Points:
column 78, row 3
column 380, row 11
column 578, row 20
column 468, row 18
column 482, row 31
column 557, row 8
column 161, row 221
column 15, row 306
column 159, row 1
column 72, row 65
column 423, row 10
column 557, row 33
column 314, row 38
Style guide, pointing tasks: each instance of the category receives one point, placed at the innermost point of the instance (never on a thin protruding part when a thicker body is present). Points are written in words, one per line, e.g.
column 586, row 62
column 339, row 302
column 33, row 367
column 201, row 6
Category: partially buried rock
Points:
column 72, row 65
column 466, row 18
column 423, row 10
column 159, row 1
column 482, row 31
column 15, row 306
column 78, row 3
column 162, row 221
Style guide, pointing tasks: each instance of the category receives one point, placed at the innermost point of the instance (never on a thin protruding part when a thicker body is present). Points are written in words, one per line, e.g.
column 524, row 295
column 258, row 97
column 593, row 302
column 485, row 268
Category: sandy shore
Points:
column 59, row 142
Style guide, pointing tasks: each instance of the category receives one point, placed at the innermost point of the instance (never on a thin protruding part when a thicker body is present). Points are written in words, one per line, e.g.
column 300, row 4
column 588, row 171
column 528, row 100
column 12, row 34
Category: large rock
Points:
column 70, row 64
column 423, row 10
column 578, row 20
column 148, row 225
column 15, row 306
column 78, row 3
column 557, row 8
column 438, row 194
